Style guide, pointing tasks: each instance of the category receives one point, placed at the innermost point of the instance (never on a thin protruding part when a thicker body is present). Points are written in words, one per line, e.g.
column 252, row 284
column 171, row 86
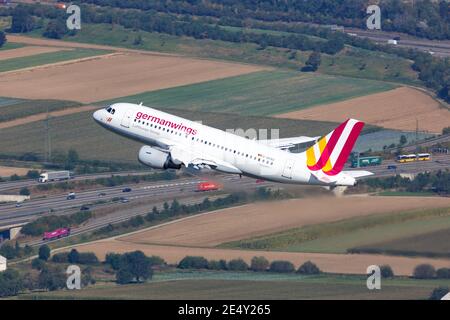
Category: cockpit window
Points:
column 110, row 110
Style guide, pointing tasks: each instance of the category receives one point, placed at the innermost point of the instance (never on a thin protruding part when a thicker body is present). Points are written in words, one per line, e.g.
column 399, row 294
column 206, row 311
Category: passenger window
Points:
column 113, row 111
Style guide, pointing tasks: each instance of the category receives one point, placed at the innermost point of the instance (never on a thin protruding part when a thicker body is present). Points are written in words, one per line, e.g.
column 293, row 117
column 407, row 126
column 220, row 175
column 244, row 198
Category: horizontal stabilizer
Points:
column 358, row 173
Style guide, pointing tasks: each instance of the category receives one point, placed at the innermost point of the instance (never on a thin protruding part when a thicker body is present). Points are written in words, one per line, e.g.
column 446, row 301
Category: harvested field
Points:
column 253, row 220
column 333, row 263
column 113, row 76
column 27, row 51
column 395, row 109
column 9, row 171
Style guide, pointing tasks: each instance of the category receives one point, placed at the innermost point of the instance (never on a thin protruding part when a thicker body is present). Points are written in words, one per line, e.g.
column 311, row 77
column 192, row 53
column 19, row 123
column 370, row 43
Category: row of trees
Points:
column 438, row 182
column 52, row 222
column 258, row 264
column 423, row 18
column 2, row 38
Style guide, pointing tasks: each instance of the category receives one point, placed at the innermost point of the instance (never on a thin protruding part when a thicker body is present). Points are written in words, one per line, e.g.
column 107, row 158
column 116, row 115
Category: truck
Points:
column 54, row 176
column 208, row 186
column 357, row 162
column 56, row 234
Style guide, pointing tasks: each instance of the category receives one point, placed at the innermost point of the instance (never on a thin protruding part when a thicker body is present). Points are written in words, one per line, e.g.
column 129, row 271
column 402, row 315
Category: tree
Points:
column 33, row 174
column 22, row 21
column 308, row 268
column 259, row 264
column 55, row 29
column 10, row 283
column 72, row 156
column 52, row 279
column 192, row 262
column 424, row 271
column 313, row 62
column 24, row 191
column 2, row 38
column 237, row 265
column 443, row 273
column 386, row 271
column 38, row 264
column 438, row 293
column 124, row 276
column 138, row 264
column 282, row 266
column 73, row 256
column 44, row 252
column 403, row 140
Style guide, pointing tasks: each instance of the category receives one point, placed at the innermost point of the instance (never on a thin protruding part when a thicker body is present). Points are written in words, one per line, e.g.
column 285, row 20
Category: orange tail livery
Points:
column 330, row 152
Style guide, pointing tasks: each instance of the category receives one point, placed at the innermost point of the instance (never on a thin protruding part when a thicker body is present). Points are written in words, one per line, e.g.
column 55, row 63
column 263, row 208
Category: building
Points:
column 2, row 263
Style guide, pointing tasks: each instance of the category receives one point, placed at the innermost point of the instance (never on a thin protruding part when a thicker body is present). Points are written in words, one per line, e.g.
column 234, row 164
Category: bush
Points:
column 10, row 283
column 38, row 264
column 61, row 257
column 308, row 268
column 282, row 266
column 237, row 265
column 217, row 265
column 73, row 256
column 443, row 273
column 259, row 264
column 52, row 279
column 156, row 261
column 386, row 271
column 24, row 191
column 44, row 252
column 424, row 271
column 192, row 262
column 87, row 258
column 114, row 260
column 438, row 293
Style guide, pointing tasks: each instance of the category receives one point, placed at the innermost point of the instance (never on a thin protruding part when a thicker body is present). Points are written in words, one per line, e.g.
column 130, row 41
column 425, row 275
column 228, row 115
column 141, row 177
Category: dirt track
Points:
column 395, row 109
column 197, row 235
column 263, row 218
column 27, row 51
column 114, row 76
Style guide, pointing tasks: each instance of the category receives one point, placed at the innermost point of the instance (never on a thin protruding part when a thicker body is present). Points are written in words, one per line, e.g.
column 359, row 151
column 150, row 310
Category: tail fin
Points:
column 330, row 152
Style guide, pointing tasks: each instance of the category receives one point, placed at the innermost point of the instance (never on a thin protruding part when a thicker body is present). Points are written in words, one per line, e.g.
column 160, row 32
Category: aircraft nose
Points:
column 98, row 115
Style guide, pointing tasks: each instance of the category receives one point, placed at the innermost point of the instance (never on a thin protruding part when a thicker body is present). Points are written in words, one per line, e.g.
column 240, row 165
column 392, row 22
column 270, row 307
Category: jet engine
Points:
column 156, row 159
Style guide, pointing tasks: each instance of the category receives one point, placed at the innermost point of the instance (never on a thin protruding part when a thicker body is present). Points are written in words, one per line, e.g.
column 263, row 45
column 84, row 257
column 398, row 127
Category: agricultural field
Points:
column 340, row 236
column 231, row 285
column 402, row 109
column 432, row 244
column 335, row 221
column 11, row 109
column 26, row 51
column 352, row 62
column 78, row 130
column 260, row 93
column 59, row 55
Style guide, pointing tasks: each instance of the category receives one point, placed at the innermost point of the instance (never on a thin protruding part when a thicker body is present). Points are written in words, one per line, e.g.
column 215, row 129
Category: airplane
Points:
column 172, row 142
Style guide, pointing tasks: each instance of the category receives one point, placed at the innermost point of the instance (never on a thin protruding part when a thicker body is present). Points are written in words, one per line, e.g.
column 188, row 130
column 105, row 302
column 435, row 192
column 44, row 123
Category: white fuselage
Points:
column 248, row 157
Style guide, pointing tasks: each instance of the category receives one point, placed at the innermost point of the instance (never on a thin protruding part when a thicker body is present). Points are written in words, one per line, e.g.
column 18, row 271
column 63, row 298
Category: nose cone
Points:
column 98, row 116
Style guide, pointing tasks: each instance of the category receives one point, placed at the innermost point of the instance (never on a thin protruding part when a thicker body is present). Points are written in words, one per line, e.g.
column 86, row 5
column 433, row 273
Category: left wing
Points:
column 287, row 143
column 199, row 161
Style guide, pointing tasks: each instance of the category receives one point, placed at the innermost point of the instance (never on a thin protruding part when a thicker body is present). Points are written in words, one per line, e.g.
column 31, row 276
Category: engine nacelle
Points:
column 156, row 159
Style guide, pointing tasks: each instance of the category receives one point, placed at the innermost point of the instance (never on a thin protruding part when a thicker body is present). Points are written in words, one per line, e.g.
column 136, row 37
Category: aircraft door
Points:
column 126, row 119
column 287, row 171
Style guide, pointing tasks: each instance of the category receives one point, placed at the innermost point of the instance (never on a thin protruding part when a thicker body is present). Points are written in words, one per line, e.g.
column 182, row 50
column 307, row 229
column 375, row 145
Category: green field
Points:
column 249, row 285
column 10, row 45
column 11, row 109
column 259, row 93
column 340, row 236
column 79, row 131
column 432, row 244
column 352, row 62
column 46, row 58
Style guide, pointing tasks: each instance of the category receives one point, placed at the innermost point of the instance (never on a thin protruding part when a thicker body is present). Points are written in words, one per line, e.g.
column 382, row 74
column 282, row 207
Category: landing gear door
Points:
column 126, row 119
column 287, row 171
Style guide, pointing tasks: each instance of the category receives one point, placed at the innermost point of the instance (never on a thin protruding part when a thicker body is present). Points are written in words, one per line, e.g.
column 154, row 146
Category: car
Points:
column 71, row 196
column 84, row 208
column 18, row 205
column 392, row 167
column 124, row 200
column 102, row 194
column 127, row 189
